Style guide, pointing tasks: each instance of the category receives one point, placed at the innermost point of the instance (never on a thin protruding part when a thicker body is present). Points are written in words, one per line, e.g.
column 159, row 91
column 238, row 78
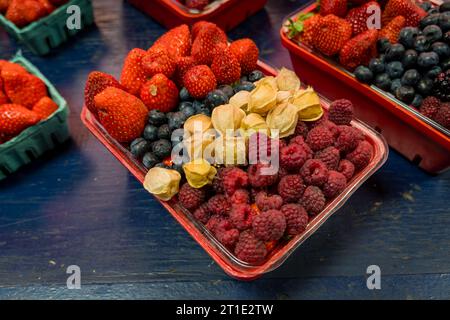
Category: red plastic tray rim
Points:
column 182, row 10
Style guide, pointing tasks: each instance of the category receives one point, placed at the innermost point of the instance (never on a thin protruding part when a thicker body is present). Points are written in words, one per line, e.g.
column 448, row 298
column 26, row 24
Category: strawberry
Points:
column 133, row 75
column 97, row 82
column 23, row 12
column 4, row 4
column 226, row 68
column 123, row 115
column 183, row 65
column 160, row 93
column 157, row 60
column 197, row 4
column 331, row 33
column 47, row 5
column 22, row 88
column 3, row 98
column 336, row 7
column 247, row 54
column 302, row 29
column 15, row 118
column 359, row 50
column 359, row 17
column 11, row 67
column 177, row 41
column 392, row 29
column 15, row 14
column 406, row 8
column 204, row 45
column 199, row 81
column 45, row 107
column 198, row 26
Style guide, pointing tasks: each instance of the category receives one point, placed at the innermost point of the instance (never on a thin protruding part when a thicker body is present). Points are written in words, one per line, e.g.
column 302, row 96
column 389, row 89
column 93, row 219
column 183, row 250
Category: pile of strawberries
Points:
column 24, row 12
column 196, row 4
column 251, row 212
column 24, row 100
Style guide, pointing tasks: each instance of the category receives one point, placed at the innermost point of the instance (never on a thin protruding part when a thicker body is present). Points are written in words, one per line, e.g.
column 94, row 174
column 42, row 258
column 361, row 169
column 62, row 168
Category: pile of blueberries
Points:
column 155, row 145
column 408, row 69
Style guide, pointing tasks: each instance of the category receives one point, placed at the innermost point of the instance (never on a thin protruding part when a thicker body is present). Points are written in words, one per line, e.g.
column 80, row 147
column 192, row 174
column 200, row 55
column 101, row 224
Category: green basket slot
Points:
column 51, row 31
column 34, row 141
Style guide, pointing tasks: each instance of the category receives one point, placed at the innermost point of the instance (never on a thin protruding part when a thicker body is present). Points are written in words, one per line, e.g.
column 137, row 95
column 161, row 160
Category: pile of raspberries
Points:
column 250, row 212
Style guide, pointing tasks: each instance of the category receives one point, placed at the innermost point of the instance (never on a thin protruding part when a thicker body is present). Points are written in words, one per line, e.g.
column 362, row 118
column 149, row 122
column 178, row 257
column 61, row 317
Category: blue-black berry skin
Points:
column 227, row 89
column 446, row 38
column 394, row 69
column 206, row 111
column 429, row 20
column 176, row 121
column 417, row 101
column 149, row 160
column 407, row 36
column 188, row 112
column 425, row 6
column 428, row 59
column 184, row 104
column 411, row 77
column 433, row 72
column 432, row 33
column 244, row 86
column 424, row 86
column 433, row 11
column 421, row 44
column 376, row 65
column 395, row 52
column 179, row 168
column 139, row 147
column 382, row 45
column 162, row 148
column 244, row 78
column 156, row 117
column 164, row 132
column 162, row 165
column 184, row 95
column 442, row 49
column 409, row 59
column 364, row 74
column 216, row 98
column 255, row 76
column 405, row 94
column 445, row 65
column 395, row 84
column 382, row 81
column 445, row 6
column 444, row 21
column 150, row 132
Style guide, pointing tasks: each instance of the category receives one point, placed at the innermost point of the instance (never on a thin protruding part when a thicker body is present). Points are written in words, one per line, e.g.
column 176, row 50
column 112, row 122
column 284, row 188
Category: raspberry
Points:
column 319, row 138
column 202, row 213
column 362, row 155
column 269, row 225
column 219, row 204
column 301, row 129
column 330, row 156
column 259, row 147
column 348, row 138
column 296, row 218
column 301, row 141
column 260, row 175
column 314, row 172
column 191, row 198
column 313, row 124
column 291, row 188
column 241, row 196
column 346, row 168
column 228, row 237
column 443, row 115
column 293, row 156
column 217, row 220
column 313, row 200
column 234, row 179
column 217, row 183
column 282, row 172
column 241, row 216
column 330, row 126
column 335, row 184
column 250, row 249
column 429, row 107
column 266, row 202
column 341, row 111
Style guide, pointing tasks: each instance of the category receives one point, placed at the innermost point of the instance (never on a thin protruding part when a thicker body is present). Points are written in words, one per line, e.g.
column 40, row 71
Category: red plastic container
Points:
column 227, row 14
column 421, row 140
column 223, row 257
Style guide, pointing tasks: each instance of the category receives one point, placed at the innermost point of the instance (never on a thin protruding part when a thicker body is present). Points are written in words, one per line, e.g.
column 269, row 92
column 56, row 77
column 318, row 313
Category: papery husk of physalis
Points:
column 227, row 117
column 287, row 80
column 240, row 100
column 284, row 118
column 230, row 150
column 199, row 123
column 199, row 173
column 253, row 122
column 162, row 183
column 269, row 79
column 308, row 104
column 196, row 144
column 283, row 96
column 263, row 98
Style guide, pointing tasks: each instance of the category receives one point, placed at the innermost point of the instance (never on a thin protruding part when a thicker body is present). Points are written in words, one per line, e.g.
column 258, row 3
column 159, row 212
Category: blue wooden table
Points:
column 79, row 206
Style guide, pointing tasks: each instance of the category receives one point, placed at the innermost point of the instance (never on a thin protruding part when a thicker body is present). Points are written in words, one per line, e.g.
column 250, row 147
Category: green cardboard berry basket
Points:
column 50, row 31
column 34, row 141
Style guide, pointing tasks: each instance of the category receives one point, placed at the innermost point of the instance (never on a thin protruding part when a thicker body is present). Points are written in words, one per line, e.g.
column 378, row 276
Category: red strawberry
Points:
column 336, row 7
column 183, row 65
column 331, row 33
column 177, row 41
column 23, row 12
column 302, row 29
column 47, row 5
column 45, row 107
column 204, row 46
column 12, row 67
column 160, row 93
column 97, row 82
column 198, row 26
column 199, row 81
column 392, row 29
column 4, row 4
column 133, row 75
column 123, row 115
column 226, row 67
column 359, row 50
column 359, row 17
column 197, row 4
column 247, row 54
column 3, row 98
column 158, row 60
column 406, row 8
column 15, row 118
column 15, row 14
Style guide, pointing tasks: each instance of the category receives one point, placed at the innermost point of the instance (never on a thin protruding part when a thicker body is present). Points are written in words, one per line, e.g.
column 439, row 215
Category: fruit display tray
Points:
column 222, row 256
column 51, row 31
column 421, row 140
column 227, row 14
column 34, row 141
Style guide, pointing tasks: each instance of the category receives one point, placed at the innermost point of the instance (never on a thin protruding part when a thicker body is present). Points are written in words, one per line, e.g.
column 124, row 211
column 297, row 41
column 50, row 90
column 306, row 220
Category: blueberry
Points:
column 421, row 44
column 162, row 165
column 444, row 21
column 188, row 112
column 405, row 94
column 445, row 65
column 205, row 111
column 376, row 65
column 417, row 101
column 383, row 81
column 394, row 69
column 444, row 7
column 198, row 105
column 430, row 20
column 216, row 98
column 162, row 148
column 433, row 72
column 184, row 95
column 177, row 120
column 184, row 104
column 227, row 89
column 424, row 86
column 157, row 117
column 363, row 74
column 433, row 11
column 407, row 36
column 244, row 79
column 244, row 86
column 442, row 49
column 179, row 168
column 446, row 38
column 409, row 59
column 149, row 160
column 395, row 52
column 382, row 57
column 164, row 132
column 432, row 33
column 139, row 147
column 395, row 84
column 428, row 59
column 255, row 76
column 425, row 6
column 411, row 77
column 150, row 132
